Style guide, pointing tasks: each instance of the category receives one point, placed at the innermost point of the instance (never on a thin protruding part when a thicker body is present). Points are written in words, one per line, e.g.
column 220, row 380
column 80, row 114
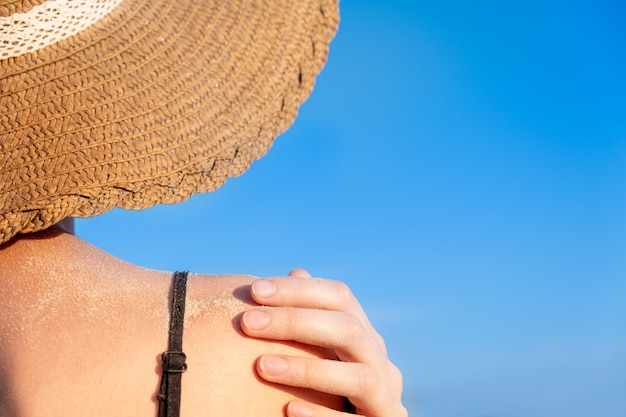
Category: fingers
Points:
column 311, row 293
column 339, row 331
column 324, row 313
column 365, row 388
column 300, row 273
column 301, row 291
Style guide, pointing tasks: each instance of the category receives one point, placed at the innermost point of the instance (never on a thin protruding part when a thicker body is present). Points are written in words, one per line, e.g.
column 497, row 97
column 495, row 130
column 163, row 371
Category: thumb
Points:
column 299, row 273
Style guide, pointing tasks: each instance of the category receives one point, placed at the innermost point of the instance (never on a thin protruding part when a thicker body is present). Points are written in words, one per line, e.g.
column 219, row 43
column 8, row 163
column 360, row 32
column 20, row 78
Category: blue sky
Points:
column 462, row 165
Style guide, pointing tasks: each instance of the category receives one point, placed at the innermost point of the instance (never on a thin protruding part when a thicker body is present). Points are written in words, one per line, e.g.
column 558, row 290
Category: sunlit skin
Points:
column 84, row 330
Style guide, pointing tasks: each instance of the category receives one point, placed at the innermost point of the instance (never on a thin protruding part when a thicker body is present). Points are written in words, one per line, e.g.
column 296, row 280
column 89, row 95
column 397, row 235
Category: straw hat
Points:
column 132, row 103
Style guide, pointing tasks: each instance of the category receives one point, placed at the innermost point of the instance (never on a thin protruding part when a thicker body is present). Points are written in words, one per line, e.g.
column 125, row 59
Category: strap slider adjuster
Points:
column 174, row 362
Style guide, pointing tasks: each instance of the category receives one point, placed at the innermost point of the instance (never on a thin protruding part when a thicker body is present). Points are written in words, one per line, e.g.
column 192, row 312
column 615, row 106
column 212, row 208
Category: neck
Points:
column 52, row 249
column 67, row 225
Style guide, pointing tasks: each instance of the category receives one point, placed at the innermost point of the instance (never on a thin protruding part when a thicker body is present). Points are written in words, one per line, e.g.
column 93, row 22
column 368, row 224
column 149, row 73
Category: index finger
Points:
column 312, row 293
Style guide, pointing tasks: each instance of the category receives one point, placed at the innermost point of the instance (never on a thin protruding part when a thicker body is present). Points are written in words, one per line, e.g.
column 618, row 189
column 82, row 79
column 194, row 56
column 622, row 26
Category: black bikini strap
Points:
column 174, row 358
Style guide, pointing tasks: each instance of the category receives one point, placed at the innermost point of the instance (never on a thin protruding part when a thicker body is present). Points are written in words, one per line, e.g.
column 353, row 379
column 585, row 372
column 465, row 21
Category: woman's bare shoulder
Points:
column 221, row 358
column 85, row 333
column 217, row 295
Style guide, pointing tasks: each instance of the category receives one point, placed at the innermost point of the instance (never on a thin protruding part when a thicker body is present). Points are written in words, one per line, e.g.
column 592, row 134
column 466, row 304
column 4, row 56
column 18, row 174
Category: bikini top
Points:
column 174, row 360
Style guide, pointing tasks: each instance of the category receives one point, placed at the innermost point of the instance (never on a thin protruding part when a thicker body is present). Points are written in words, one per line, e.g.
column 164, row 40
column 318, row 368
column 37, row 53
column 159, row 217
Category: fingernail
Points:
column 263, row 288
column 273, row 365
column 296, row 409
column 256, row 319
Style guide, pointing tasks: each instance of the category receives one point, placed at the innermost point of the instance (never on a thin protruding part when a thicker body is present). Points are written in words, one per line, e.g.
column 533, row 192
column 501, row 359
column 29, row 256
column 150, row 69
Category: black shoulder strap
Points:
column 174, row 358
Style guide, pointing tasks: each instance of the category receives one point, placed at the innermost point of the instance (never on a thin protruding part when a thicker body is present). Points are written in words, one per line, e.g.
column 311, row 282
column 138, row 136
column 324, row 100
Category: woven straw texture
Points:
column 47, row 23
column 156, row 101
column 10, row 7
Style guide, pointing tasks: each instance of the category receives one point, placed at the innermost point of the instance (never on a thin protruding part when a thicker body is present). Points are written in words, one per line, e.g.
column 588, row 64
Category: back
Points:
column 81, row 333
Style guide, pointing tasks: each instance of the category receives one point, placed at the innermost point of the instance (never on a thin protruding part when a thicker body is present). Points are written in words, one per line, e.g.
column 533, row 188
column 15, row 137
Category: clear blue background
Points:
column 462, row 165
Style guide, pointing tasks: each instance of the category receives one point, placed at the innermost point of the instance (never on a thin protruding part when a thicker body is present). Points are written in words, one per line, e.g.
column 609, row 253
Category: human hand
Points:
column 324, row 313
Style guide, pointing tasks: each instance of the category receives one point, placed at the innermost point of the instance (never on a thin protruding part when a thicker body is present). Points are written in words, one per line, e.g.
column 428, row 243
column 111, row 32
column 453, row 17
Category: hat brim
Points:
column 155, row 102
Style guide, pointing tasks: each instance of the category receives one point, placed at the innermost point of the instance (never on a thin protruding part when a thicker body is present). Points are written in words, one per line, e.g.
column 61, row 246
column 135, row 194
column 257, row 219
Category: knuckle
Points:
column 308, row 372
column 293, row 320
column 381, row 342
column 368, row 381
column 343, row 292
column 403, row 412
column 396, row 374
column 354, row 330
